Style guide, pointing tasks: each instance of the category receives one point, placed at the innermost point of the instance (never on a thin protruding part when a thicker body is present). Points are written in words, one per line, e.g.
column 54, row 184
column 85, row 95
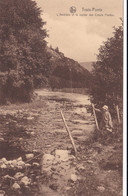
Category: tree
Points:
column 57, row 50
column 23, row 59
column 108, row 71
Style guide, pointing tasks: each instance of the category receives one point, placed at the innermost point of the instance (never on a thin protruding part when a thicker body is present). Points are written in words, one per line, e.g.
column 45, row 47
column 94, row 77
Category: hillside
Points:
column 87, row 65
column 66, row 72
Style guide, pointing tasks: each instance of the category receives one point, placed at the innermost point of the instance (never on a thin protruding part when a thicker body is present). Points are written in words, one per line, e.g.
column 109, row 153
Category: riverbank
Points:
column 35, row 133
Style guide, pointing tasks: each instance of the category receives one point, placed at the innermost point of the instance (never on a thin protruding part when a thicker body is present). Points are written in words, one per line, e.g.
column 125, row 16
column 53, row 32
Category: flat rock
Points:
column 81, row 138
column 77, row 132
column 47, row 161
column 62, row 155
column 89, row 127
column 48, row 157
column 80, row 111
column 59, row 131
column 86, row 128
column 78, row 121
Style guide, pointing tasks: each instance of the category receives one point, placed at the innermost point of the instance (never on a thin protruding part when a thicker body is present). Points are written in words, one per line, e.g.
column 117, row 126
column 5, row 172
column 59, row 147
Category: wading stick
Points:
column 94, row 113
column 69, row 133
column 35, row 157
column 118, row 115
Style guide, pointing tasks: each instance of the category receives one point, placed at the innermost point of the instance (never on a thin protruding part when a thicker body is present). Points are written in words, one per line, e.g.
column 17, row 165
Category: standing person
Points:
column 106, row 121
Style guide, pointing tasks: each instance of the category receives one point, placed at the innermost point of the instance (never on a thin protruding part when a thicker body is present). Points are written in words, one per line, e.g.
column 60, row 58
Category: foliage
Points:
column 107, row 87
column 23, row 58
column 57, row 49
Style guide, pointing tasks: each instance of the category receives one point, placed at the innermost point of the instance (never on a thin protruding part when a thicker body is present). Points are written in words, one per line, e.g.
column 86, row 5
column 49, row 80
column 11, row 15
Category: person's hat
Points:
column 105, row 107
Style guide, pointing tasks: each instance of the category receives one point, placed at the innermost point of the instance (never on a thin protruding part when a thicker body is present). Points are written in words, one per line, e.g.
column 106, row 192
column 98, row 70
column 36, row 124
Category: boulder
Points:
column 80, row 167
column 27, row 165
column 14, row 163
column 16, row 186
column 30, row 118
column 74, row 177
column 9, row 163
column 101, row 189
column 18, row 175
column 36, row 164
column 4, row 160
column 1, row 139
column 19, row 159
column 72, row 157
column 21, row 163
column 12, row 166
column 25, row 180
column 32, row 133
column 53, row 186
column 7, row 176
column 90, row 161
column 2, row 193
column 29, row 156
column 68, row 188
column 3, row 166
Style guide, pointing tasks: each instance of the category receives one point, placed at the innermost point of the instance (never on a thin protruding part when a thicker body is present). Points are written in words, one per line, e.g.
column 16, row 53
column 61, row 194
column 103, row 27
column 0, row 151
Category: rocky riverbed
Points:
column 37, row 157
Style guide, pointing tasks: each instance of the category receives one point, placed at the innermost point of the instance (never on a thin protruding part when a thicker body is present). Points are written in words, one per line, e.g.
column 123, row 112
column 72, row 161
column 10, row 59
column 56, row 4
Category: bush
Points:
column 107, row 86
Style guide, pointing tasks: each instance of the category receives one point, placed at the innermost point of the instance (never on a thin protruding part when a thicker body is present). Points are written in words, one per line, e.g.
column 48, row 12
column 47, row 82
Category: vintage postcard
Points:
column 62, row 68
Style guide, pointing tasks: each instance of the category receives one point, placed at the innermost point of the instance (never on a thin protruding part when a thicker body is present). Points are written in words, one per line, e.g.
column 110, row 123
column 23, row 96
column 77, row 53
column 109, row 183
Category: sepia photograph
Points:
column 62, row 83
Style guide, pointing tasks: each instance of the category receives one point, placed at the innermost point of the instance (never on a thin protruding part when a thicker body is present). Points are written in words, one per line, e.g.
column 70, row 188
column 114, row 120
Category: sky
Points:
column 79, row 36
